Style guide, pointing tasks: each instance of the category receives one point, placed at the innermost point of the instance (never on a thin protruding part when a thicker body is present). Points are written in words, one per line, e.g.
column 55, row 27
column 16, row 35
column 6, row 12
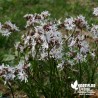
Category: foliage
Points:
column 48, row 54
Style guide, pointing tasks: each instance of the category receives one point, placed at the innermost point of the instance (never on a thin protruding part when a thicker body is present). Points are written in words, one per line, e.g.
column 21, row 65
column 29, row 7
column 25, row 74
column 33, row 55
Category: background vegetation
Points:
column 14, row 10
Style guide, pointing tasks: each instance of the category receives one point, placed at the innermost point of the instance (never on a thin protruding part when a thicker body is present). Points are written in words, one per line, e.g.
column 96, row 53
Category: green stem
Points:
column 11, row 89
column 80, row 72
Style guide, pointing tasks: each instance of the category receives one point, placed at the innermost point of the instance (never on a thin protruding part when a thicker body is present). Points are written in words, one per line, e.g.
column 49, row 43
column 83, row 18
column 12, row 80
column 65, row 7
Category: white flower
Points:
column 94, row 31
column 22, row 76
column 84, row 47
column 39, row 28
column 30, row 19
column 26, row 41
column 60, row 65
column 13, row 26
column 10, row 69
column 8, row 76
column 28, row 16
column 81, row 17
column 20, row 66
column 45, row 45
column 69, row 23
column 7, row 28
column 80, row 37
column 81, row 22
column 45, row 13
column 93, row 54
column 5, row 32
column 56, row 53
column 36, row 35
column 95, row 12
column 44, row 55
column 80, row 58
column 7, row 72
column 1, row 67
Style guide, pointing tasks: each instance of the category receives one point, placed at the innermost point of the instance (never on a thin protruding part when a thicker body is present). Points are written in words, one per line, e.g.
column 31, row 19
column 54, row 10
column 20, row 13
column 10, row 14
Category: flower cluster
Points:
column 9, row 73
column 41, row 41
column 79, row 49
column 75, row 23
column 33, row 19
column 94, row 29
column 7, row 28
column 81, row 22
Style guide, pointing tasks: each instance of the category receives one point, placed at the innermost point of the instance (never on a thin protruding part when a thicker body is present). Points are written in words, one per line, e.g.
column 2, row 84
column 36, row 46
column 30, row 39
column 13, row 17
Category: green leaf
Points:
column 8, row 57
